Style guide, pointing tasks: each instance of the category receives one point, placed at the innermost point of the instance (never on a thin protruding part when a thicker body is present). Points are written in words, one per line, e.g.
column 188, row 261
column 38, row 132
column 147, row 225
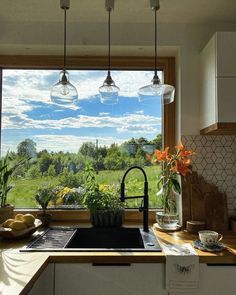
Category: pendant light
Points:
column 64, row 93
column 156, row 89
column 109, row 91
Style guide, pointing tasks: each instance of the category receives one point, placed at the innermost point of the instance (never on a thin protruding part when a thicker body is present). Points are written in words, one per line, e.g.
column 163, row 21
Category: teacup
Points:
column 209, row 238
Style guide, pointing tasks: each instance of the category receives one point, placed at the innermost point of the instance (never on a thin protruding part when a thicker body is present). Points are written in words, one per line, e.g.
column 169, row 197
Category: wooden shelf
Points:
column 219, row 129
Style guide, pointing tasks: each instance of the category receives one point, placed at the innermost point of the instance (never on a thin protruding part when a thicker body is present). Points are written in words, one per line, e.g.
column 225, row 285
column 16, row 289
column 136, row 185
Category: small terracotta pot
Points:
column 6, row 213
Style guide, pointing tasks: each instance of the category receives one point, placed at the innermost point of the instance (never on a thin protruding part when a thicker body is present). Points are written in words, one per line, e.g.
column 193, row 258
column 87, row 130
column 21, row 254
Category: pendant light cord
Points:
column 109, row 42
column 64, row 62
column 155, row 31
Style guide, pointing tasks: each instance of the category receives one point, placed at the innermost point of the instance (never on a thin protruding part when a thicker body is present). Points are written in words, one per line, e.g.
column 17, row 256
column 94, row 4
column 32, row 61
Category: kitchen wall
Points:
column 185, row 41
column 215, row 160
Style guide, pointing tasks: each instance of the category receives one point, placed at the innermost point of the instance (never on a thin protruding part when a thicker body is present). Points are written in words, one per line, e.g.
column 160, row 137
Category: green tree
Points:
column 33, row 172
column 88, row 149
column 51, row 171
column 70, row 179
column 27, row 148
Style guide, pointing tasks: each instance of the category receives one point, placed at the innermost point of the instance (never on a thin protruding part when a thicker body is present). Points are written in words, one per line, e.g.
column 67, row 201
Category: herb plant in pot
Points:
column 7, row 170
column 43, row 196
column 173, row 165
column 106, row 209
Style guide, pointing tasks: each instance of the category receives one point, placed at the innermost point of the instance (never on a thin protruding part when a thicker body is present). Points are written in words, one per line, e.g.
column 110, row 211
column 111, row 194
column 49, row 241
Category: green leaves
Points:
column 176, row 185
column 100, row 198
column 6, row 173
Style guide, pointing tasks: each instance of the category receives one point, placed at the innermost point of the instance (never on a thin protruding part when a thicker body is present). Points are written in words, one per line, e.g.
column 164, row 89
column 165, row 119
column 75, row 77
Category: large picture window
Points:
column 61, row 140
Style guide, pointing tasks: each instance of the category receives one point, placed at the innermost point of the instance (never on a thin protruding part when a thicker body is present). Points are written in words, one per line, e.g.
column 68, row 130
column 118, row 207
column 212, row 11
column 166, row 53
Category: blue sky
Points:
column 29, row 113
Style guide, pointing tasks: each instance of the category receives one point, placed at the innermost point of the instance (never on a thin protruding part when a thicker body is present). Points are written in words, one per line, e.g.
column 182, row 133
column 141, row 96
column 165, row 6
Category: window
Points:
column 60, row 140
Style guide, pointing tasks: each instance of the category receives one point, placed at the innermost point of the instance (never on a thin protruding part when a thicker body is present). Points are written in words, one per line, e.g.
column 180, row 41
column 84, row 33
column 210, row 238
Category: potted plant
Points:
column 7, row 170
column 43, row 196
column 173, row 165
column 106, row 209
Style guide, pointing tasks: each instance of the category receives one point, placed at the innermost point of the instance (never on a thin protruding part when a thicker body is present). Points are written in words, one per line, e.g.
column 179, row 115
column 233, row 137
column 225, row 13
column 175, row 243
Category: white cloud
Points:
column 120, row 123
column 140, row 112
column 70, row 143
column 137, row 129
column 103, row 114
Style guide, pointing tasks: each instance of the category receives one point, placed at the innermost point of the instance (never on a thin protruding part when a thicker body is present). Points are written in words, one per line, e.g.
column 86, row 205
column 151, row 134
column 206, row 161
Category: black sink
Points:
column 106, row 238
column 94, row 239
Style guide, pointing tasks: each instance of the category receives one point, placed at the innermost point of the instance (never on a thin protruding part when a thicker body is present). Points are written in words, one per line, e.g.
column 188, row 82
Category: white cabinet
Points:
column 45, row 283
column 88, row 279
column 218, row 83
column 217, row 280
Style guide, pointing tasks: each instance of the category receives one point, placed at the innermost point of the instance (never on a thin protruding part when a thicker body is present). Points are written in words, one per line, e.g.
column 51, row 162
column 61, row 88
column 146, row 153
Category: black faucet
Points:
column 144, row 206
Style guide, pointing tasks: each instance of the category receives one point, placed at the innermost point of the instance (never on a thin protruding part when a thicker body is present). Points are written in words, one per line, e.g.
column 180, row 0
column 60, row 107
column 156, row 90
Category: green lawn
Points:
column 22, row 195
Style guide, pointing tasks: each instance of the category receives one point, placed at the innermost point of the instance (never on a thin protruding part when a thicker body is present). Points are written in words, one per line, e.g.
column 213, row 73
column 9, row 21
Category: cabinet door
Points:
column 226, row 49
column 218, row 280
column 87, row 279
column 226, row 94
column 44, row 284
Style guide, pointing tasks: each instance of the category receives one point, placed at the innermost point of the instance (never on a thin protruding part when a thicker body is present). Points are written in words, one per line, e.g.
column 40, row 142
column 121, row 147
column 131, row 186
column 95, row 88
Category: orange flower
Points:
column 182, row 152
column 180, row 146
column 162, row 156
column 182, row 167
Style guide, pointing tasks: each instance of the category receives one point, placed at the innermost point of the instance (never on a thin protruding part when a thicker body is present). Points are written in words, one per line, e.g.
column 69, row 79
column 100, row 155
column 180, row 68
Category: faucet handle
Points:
column 141, row 207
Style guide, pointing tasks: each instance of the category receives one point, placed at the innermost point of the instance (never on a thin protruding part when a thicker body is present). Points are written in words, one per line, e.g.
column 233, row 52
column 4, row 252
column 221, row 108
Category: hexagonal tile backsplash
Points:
column 215, row 160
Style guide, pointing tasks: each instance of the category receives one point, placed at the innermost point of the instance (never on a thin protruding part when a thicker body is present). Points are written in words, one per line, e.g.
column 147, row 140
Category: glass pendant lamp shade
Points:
column 156, row 88
column 64, row 93
column 109, row 91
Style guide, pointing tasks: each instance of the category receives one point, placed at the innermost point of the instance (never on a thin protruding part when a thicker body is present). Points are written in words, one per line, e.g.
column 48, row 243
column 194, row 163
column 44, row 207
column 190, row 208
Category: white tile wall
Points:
column 215, row 160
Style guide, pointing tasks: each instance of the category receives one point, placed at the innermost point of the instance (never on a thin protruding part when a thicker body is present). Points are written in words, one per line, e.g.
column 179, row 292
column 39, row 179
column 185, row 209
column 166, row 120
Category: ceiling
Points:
column 172, row 11
column 36, row 26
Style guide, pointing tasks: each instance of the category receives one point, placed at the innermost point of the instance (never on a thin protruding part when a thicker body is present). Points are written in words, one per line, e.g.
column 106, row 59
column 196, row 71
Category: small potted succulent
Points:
column 106, row 209
column 7, row 170
column 43, row 196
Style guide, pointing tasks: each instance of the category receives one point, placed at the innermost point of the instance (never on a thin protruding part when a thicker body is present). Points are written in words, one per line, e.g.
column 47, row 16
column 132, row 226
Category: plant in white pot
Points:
column 103, row 201
column 173, row 165
column 7, row 170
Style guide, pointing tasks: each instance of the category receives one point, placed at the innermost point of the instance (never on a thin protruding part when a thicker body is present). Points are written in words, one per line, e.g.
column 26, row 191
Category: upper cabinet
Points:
column 218, row 85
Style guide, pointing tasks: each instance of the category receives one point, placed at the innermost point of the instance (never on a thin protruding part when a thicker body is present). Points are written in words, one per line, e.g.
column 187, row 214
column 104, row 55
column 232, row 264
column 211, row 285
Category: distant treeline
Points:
column 113, row 157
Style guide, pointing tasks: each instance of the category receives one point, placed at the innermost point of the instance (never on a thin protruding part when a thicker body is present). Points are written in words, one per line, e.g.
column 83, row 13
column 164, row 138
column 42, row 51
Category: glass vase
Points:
column 168, row 219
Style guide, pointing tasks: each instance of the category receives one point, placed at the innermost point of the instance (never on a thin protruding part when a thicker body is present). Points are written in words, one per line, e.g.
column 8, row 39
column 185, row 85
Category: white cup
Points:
column 209, row 237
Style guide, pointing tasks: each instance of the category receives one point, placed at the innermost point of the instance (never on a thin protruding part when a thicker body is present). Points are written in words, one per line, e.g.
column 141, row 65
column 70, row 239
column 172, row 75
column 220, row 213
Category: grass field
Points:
column 22, row 195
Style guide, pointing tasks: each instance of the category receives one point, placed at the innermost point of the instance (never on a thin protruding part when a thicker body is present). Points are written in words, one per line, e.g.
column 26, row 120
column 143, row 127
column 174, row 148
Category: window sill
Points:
column 83, row 215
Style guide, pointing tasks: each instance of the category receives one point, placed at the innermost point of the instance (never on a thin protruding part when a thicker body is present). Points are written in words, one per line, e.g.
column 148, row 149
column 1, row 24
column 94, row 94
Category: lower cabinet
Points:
column 45, row 283
column 217, row 280
column 88, row 279
column 133, row 279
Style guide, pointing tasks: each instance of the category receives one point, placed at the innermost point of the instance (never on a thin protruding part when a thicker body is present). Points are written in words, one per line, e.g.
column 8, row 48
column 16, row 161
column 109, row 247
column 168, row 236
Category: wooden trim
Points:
column 220, row 129
column 81, row 62
column 169, row 110
column 167, row 64
column 83, row 216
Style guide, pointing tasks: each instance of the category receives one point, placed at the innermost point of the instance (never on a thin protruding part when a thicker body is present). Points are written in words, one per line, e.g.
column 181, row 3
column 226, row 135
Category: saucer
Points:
column 176, row 228
column 214, row 248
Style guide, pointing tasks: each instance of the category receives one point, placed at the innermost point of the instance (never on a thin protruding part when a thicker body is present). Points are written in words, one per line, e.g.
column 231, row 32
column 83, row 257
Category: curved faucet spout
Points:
column 144, row 207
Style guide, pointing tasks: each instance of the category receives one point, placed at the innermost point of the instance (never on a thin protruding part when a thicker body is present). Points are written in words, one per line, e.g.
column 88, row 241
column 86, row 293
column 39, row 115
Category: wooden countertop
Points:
column 19, row 271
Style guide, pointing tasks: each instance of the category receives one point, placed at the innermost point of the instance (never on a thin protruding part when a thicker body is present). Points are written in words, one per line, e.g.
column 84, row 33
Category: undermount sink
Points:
column 94, row 239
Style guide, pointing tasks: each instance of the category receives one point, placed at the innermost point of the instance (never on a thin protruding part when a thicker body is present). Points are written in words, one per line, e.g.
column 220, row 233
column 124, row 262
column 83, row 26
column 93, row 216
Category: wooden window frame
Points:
column 166, row 64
